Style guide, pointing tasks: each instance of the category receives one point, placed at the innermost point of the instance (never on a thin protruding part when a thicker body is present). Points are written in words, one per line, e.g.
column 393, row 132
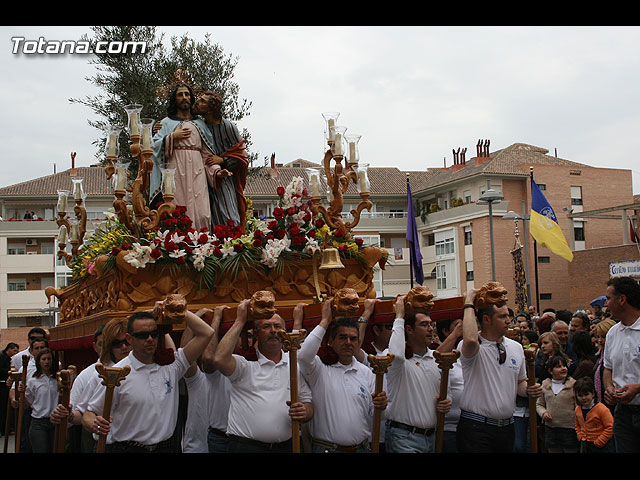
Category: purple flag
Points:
column 414, row 243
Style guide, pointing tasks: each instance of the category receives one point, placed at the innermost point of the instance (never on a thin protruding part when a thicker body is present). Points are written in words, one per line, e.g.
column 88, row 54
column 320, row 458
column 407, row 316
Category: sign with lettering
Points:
column 630, row 268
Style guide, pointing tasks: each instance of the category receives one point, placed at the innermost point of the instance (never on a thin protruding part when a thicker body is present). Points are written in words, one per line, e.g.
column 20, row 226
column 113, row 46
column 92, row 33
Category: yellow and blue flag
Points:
column 544, row 225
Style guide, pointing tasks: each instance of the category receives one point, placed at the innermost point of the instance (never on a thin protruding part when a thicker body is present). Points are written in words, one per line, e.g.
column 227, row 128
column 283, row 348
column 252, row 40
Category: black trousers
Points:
column 477, row 437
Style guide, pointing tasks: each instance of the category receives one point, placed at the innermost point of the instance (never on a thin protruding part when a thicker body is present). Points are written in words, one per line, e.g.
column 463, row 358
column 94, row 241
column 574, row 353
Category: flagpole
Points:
column 535, row 261
column 410, row 243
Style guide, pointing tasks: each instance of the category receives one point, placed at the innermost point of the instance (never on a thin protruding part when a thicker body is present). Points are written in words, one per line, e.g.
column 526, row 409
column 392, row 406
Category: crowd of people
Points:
column 214, row 395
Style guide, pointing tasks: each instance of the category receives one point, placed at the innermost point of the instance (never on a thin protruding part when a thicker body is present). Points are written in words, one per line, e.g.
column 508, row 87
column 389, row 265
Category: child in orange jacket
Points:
column 594, row 422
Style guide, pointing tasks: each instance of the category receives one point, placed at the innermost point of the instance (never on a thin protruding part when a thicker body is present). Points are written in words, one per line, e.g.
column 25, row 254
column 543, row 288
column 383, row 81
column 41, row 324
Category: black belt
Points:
column 258, row 443
column 217, row 432
column 409, row 428
column 341, row 448
column 149, row 448
column 496, row 422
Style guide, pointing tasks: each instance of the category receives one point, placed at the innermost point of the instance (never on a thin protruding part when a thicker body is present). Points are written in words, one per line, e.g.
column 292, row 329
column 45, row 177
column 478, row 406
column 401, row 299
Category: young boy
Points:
column 594, row 422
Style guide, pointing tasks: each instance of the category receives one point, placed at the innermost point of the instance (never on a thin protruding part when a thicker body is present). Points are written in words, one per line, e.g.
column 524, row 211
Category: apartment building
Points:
column 28, row 261
column 455, row 231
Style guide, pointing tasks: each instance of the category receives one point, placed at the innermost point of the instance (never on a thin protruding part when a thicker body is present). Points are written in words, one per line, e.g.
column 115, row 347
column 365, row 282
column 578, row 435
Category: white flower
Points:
column 177, row 239
column 177, row 254
column 198, row 262
column 227, row 250
column 139, row 255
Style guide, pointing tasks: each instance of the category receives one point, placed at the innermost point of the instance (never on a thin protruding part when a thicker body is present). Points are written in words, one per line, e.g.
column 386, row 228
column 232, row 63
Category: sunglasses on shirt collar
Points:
column 502, row 353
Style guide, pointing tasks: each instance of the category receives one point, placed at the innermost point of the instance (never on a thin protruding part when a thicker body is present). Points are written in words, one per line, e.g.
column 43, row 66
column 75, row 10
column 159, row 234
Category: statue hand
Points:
column 224, row 173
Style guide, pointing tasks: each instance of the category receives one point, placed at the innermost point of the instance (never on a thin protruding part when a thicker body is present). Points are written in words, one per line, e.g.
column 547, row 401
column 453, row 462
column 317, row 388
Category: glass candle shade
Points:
column 330, row 119
column 133, row 114
column 78, row 190
column 122, row 175
column 169, row 181
column 314, row 181
column 62, row 200
column 338, row 147
column 363, row 178
column 353, row 156
column 62, row 235
column 111, row 148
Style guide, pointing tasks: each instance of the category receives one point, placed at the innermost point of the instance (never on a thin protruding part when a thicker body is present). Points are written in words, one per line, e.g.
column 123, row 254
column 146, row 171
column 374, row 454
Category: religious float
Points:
column 142, row 255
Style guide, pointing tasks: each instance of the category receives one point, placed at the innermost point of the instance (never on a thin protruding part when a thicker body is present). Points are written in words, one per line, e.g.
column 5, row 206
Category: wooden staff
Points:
column 64, row 389
column 15, row 378
column 530, row 355
column 380, row 366
column 291, row 342
column 25, row 362
column 445, row 361
column 111, row 378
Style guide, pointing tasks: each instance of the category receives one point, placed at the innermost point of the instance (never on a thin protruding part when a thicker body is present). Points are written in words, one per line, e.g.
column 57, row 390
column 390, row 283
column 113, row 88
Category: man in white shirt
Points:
column 145, row 405
column 260, row 408
column 494, row 371
column 344, row 392
column 414, row 384
column 621, row 377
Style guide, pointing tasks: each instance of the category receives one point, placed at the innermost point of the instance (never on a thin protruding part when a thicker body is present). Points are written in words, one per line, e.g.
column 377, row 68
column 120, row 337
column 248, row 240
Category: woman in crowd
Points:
column 41, row 393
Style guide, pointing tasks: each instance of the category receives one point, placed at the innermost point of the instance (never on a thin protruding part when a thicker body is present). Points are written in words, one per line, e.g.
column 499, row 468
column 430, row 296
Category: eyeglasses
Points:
column 119, row 343
column 502, row 353
column 145, row 334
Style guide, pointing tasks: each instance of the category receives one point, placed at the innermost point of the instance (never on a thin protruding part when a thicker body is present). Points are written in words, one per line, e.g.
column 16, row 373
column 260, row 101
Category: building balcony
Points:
column 461, row 214
column 27, row 263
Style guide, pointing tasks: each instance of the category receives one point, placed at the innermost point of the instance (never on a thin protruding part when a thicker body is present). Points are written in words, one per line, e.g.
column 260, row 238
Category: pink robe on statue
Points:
column 188, row 157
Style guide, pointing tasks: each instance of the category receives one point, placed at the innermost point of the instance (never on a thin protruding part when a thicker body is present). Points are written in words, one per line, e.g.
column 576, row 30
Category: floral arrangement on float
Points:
column 294, row 235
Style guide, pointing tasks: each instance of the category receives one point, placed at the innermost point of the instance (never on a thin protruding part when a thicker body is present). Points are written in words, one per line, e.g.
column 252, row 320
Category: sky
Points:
column 414, row 93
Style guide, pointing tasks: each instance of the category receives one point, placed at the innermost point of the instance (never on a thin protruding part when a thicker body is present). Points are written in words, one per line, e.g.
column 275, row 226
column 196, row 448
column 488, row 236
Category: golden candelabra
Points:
column 73, row 229
column 338, row 180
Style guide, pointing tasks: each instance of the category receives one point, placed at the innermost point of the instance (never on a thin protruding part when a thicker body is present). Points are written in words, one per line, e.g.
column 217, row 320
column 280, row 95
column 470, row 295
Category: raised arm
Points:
column 369, row 307
column 202, row 334
column 208, row 356
column 224, row 353
column 470, row 343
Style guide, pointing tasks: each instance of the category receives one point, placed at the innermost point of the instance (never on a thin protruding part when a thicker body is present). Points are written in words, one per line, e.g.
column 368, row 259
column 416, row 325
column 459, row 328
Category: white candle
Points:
column 111, row 149
column 62, row 235
column 121, row 178
column 146, row 138
column 330, row 124
column 77, row 193
column 168, row 183
column 337, row 146
column 75, row 234
column 134, row 124
column 315, row 188
column 363, row 181
column 352, row 152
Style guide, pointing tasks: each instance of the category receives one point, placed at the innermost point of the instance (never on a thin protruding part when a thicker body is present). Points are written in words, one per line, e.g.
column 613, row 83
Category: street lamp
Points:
column 490, row 197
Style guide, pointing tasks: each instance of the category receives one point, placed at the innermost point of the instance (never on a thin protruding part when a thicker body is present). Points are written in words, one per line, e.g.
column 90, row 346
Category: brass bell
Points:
column 330, row 259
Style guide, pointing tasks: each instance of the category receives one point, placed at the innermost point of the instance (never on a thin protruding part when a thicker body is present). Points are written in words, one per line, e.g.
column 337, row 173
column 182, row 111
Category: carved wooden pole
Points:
column 65, row 379
column 111, row 378
column 25, row 362
column 530, row 356
column 445, row 361
column 380, row 366
column 15, row 377
column 291, row 342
